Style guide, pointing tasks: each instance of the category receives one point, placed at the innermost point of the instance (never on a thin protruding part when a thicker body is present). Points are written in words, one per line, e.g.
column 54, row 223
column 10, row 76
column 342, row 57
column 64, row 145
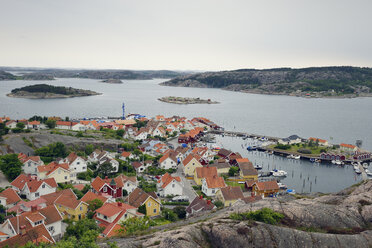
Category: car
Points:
column 181, row 198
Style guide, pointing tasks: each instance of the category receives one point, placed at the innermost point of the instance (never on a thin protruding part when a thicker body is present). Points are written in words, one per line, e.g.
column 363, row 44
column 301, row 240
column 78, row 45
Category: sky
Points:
column 185, row 35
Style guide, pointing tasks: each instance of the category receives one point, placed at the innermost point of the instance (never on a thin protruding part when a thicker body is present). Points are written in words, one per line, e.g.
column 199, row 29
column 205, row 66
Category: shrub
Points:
column 304, row 151
column 283, row 147
column 265, row 215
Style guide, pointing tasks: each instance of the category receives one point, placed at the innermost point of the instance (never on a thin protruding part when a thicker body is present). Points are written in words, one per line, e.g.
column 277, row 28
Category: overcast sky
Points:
column 185, row 35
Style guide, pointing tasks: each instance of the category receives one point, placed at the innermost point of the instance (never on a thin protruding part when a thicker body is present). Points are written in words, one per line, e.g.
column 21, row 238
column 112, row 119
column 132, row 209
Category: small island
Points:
column 186, row 100
column 112, row 81
column 44, row 91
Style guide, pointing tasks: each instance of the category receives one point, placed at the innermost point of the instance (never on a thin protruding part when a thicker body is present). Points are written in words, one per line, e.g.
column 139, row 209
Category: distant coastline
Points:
column 186, row 100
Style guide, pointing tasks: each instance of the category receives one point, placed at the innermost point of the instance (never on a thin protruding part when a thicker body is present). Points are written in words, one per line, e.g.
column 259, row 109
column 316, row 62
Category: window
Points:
column 173, row 185
column 149, row 204
column 38, row 222
column 212, row 191
column 59, row 171
column 84, row 168
column 37, row 194
column 43, row 186
column 51, row 228
column 125, row 215
column 127, row 184
column 105, row 189
column 81, row 208
column 78, row 163
column 105, row 217
column 65, row 177
column 154, row 210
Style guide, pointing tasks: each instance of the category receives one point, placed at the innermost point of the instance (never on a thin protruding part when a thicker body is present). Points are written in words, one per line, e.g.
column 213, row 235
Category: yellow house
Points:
column 139, row 197
column 229, row 195
column 71, row 208
column 190, row 163
column 60, row 172
column 203, row 172
column 248, row 172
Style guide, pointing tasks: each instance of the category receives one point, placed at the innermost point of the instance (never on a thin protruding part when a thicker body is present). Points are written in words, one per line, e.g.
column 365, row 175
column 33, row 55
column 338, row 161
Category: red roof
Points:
column 89, row 196
column 320, row 140
column 125, row 154
column 215, row 182
column 267, row 185
column 167, row 179
column 10, row 195
column 111, row 209
column 97, row 184
column 347, row 145
column 189, row 158
column 202, row 172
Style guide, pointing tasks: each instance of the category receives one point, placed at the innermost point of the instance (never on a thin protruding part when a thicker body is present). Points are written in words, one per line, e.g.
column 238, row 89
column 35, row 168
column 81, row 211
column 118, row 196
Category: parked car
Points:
column 181, row 198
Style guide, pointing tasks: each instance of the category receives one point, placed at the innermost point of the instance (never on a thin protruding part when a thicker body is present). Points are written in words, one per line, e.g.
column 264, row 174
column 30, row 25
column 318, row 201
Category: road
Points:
column 187, row 188
column 3, row 181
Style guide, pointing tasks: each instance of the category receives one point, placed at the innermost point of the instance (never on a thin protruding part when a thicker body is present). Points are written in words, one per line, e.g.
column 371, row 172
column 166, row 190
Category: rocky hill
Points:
column 7, row 76
column 336, row 220
column 316, row 81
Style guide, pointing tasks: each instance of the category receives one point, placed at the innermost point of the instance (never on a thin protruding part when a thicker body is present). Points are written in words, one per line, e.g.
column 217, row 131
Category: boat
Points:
column 297, row 157
column 290, row 156
column 312, row 160
column 252, row 148
column 356, row 167
column 369, row 174
column 258, row 167
column 291, row 191
column 365, row 165
column 367, row 171
column 282, row 186
column 279, row 173
column 318, row 160
column 357, row 171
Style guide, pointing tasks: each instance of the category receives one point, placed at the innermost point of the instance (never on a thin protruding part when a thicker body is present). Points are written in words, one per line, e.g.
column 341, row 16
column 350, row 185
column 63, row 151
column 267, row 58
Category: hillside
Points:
column 336, row 220
column 49, row 91
column 7, row 76
column 315, row 81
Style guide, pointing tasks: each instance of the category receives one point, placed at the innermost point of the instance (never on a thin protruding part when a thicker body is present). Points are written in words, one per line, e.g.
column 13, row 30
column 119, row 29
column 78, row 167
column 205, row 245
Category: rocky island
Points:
column 342, row 81
column 186, row 100
column 44, row 91
column 112, row 81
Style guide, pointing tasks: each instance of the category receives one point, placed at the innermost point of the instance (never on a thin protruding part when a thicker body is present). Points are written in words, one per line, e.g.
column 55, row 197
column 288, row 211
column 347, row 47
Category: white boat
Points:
column 297, row 157
column 278, row 173
column 357, row 171
column 365, row 165
column 282, row 186
column 367, row 171
column 369, row 174
column 258, row 167
column 290, row 156
column 356, row 167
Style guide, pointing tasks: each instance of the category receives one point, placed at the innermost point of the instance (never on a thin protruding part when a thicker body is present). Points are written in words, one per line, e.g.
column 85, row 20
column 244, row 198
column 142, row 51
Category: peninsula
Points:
column 44, row 91
column 186, row 100
column 345, row 81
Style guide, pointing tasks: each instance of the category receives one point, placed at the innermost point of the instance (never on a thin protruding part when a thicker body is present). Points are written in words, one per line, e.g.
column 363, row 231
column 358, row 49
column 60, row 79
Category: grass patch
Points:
column 29, row 143
column 234, row 184
column 161, row 221
column 265, row 215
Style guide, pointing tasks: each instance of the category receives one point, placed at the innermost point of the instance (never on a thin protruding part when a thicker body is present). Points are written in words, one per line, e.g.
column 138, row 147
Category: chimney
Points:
column 33, row 208
column 120, row 204
column 201, row 197
column 22, row 230
column 208, row 202
column 106, row 177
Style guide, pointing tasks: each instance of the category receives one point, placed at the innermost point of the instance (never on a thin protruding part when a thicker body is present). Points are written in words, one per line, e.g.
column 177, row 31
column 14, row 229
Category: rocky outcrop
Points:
column 338, row 220
column 112, row 81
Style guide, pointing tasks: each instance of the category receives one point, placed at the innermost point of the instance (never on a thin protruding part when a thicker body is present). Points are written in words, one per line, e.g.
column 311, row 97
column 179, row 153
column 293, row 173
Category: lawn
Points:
column 315, row 150
column 232, row 183
column 161, row 221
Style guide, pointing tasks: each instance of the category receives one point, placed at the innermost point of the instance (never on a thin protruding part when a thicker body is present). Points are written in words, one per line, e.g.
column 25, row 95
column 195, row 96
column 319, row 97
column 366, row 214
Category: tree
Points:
column 89, row 149
column 79, row 228
column 50, row 123
column 142, row 209
column 218, row 204
column 233, row 171
column 169, row 214
column 10, row 166
column 125, row 192
column 120, row 132
column 20, row 125
column 93, row 206
column 180, row 211
column 134, row 224
column 105, row 169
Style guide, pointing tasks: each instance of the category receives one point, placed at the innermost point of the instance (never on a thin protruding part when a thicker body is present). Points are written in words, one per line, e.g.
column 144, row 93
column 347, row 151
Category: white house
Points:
column 126, row 155
column 293, row 139
column 168, row 161
column 210, row 185
column 77, row 164
column 159, row 131
column 30, row 164
column 139, row 166
column 9, row 198
column 33, row 125
column 33, row 188
column 11, row 124
column 168, row 185
column 79, row 127
column 113, row 162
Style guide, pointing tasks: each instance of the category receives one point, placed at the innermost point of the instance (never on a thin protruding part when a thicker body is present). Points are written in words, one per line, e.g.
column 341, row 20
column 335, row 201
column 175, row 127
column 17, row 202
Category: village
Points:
column 162, row 171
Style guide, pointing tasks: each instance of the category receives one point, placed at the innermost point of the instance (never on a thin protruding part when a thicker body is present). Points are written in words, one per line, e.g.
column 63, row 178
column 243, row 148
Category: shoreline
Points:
column 48, row 96
column 185, row 100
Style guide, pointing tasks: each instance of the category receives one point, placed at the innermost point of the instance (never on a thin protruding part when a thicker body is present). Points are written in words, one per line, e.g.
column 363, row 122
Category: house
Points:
column 247, row 171
column 126, row 183
column 11, row 124
column 211, row 185
column 348, row 148
column 222, row 168
column 291, row 140
column 53, row 197
column 60, row 172
column 229, row 195
column 321, row 142
column 138, row 166
column 66, row 125
column 9, row 198
column 190, row 163
column 139, row 197
column 76, row 163
column 159, row 131
column 205, row 154
column 33, row 125
column 110, row 215
column 126, row 155
column 107, row 186
column 168, row 161
column 71, row 207
column 48, row 217
column 199, row 205
column 90, row 196
column 25, row 206
column 35, row 235
column 97, row 155
column 113, row 162
column 203, row 172
column 32, row 188
column 267, row 188
column 79, row 127
column 30, row 163
column 168, row 185
column 224, row 153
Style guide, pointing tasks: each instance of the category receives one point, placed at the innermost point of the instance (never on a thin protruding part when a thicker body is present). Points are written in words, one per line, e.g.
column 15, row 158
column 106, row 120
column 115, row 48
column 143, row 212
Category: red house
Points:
column 107, row 186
